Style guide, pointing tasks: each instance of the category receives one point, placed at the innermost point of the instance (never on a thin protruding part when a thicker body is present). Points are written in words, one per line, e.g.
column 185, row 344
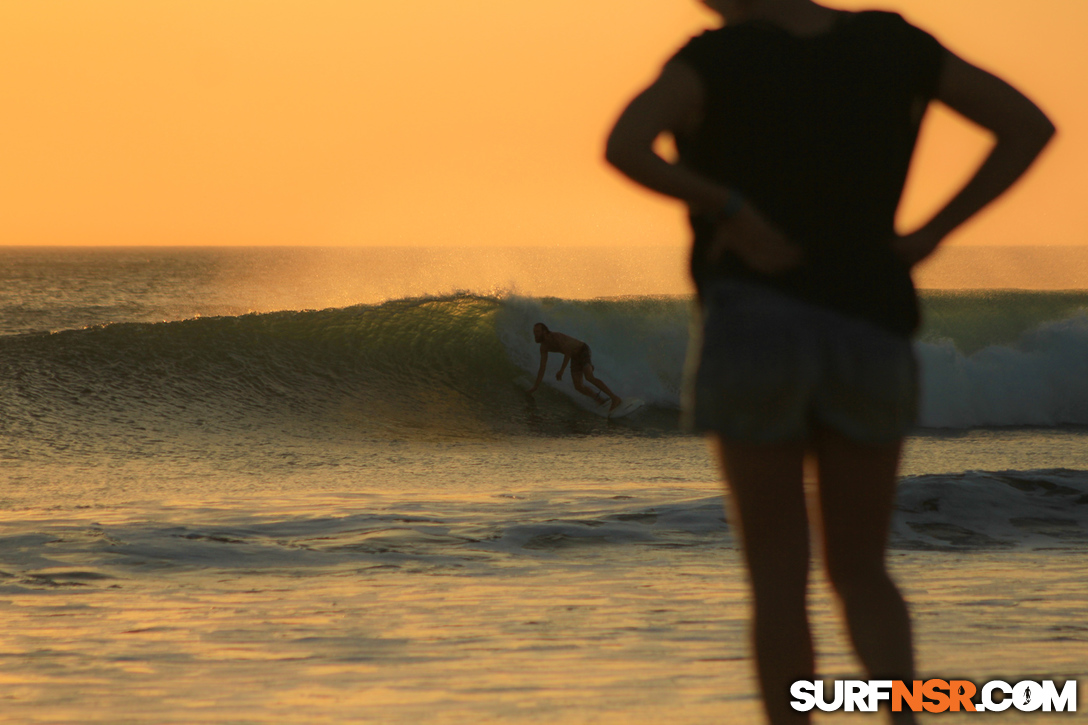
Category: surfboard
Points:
column 628, row 406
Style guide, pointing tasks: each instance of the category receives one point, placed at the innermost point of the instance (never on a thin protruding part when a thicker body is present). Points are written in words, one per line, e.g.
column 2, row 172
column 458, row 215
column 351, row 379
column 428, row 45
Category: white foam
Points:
column 1042, row 379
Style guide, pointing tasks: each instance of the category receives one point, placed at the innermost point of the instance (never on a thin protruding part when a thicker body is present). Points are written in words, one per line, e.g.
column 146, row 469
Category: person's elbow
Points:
column 1038, row 130
column 620, row 151
column 1046, row 130
column 632, row 155
column 1033, row 130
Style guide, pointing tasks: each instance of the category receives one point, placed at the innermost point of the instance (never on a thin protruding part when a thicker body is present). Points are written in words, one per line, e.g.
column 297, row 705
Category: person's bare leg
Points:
column 581, row 387
column 604, row 388
column 765, row 488
column 857, row 496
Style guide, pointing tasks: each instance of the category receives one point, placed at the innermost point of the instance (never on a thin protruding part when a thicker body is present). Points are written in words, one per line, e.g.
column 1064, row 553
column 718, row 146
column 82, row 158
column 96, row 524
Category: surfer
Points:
column 577, row 354
column 794, row 126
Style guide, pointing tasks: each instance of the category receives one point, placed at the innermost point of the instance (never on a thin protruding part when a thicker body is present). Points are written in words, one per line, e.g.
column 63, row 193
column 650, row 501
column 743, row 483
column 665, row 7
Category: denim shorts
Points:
column 771, row 367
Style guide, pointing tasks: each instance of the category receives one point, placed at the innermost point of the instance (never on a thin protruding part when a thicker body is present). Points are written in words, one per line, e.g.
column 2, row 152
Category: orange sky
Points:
column 377, row 122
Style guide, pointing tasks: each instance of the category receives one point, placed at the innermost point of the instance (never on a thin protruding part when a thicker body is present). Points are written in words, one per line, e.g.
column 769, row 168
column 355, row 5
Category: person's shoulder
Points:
column 913, row 50
column 710, row 46
column 879, row 15
column 888, row 22
column 721, row 35
column 701, row 42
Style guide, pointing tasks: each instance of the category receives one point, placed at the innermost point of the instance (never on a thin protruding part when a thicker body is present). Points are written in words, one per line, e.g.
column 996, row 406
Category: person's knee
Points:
column 855, row 579
column 779, row 578
column 783, row 600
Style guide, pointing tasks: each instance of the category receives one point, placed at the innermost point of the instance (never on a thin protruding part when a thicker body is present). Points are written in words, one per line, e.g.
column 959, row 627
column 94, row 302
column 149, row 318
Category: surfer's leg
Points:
column 857, row 496
column 766, row 497
column 576, row 375
column 616, row 400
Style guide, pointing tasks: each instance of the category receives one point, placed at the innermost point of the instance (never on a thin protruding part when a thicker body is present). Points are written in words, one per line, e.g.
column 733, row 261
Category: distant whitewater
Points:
column 458, row 365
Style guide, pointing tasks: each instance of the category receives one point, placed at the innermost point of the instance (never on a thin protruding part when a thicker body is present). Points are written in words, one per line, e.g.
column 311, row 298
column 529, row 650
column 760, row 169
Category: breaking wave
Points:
column 459, row 365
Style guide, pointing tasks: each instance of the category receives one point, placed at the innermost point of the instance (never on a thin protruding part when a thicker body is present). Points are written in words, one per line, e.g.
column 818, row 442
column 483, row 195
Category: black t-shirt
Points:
column 817, row 132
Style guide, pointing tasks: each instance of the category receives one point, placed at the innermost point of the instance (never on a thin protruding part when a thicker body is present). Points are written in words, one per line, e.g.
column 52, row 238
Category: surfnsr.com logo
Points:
column 935, row 696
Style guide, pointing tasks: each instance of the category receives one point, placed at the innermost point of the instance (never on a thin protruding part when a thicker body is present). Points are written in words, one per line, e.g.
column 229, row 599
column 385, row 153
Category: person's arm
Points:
column 1020, row 131
column 540, row 372
column 674, row 104
column 566, row 359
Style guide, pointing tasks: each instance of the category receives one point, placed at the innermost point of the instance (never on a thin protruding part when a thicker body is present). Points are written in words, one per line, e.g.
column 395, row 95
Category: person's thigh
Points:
column 766, row 499
column 868, row 385
column 857, row 484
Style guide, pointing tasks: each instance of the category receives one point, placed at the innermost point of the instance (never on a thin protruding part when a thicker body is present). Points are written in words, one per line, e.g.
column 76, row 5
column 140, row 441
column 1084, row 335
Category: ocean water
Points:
column 292, row 486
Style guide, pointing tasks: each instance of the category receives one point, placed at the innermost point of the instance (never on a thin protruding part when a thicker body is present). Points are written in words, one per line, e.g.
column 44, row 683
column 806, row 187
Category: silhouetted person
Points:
column 577, row 354
column 794, row 125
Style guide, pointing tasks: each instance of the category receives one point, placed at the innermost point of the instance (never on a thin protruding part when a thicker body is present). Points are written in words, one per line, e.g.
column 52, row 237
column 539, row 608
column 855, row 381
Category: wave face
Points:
column 449, row 366
column 458, row 365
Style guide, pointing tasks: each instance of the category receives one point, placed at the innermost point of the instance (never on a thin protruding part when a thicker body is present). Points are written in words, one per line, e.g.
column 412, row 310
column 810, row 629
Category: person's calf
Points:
column 879, row 625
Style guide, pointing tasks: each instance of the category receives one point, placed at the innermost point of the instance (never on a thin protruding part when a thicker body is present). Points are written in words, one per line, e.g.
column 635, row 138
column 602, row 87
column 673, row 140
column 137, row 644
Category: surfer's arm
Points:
column 540, row 372
column 1020, row 131
column 563, row 367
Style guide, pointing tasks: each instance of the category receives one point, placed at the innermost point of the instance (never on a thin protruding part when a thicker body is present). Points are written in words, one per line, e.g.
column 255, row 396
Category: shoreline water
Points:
column 618, row 636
